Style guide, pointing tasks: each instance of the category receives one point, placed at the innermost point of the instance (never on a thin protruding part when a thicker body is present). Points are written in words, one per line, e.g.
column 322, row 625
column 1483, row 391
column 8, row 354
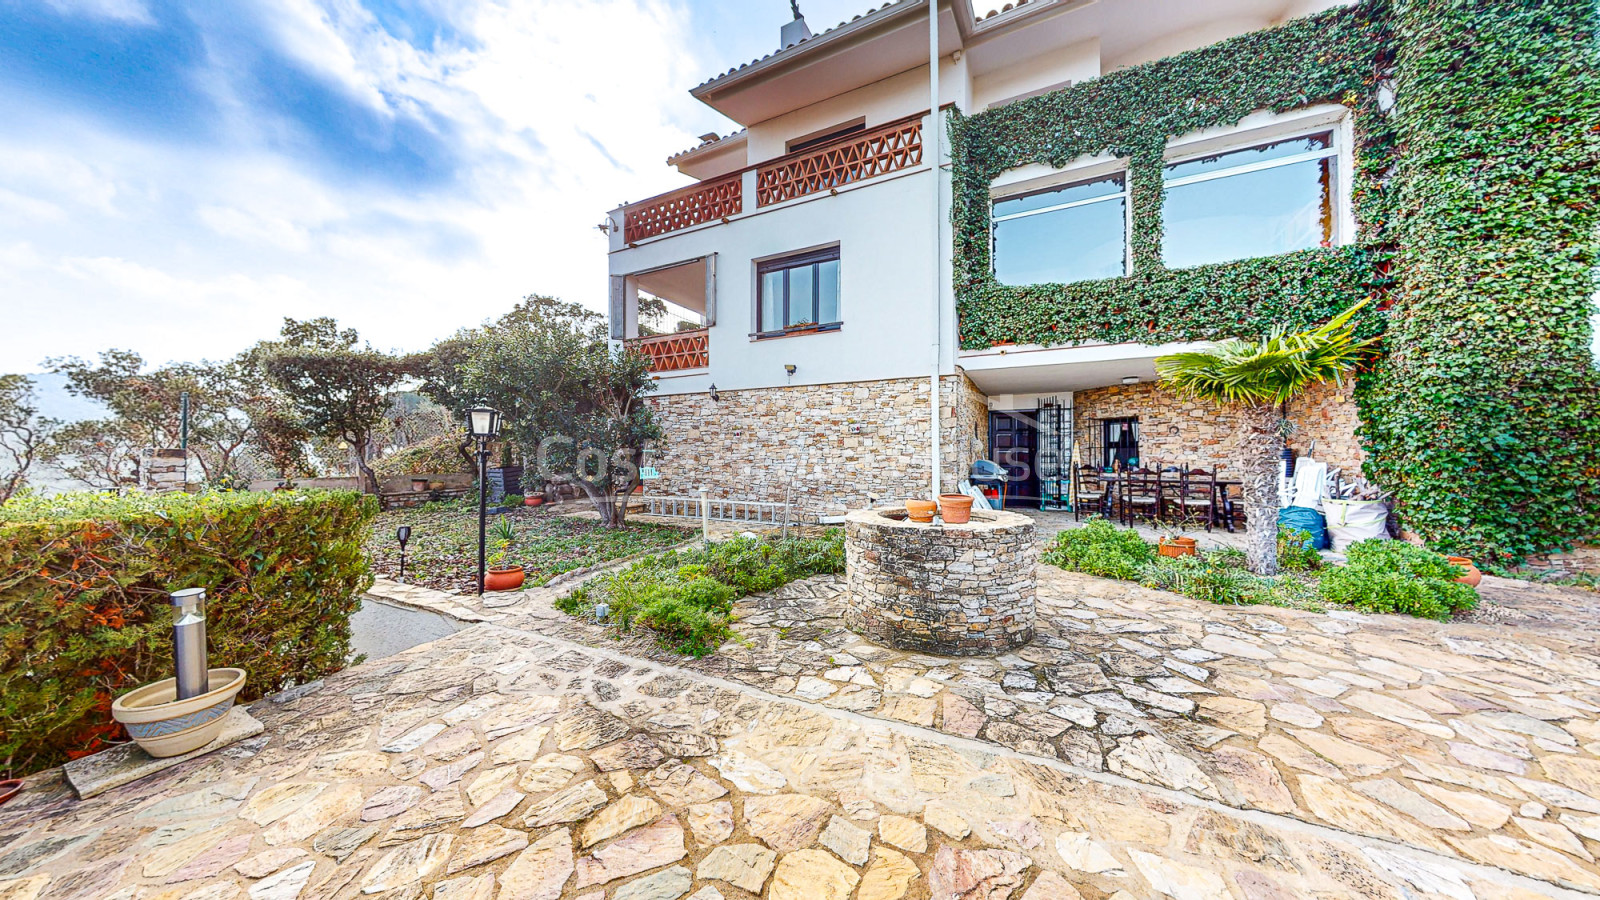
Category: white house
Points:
column 810, row 274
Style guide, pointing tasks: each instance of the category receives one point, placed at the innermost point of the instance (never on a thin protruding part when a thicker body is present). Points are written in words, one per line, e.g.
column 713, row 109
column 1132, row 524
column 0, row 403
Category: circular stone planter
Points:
column 959, row 590
column 165, row 726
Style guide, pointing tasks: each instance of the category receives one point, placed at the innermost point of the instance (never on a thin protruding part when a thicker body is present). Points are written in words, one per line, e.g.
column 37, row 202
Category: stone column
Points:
column 163, row 471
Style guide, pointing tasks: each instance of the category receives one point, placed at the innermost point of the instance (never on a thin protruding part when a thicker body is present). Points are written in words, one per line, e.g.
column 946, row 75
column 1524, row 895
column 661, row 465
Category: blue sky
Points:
column 178, row 175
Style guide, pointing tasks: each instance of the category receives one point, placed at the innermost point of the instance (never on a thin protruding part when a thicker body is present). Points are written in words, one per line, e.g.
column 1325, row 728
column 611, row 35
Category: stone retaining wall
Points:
column 832, row 444
column 959, row 590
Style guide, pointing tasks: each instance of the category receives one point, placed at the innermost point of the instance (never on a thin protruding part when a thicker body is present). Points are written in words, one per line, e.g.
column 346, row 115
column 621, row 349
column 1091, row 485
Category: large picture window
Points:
column 797, row 292
column 1259, row 201
column 1075, row 232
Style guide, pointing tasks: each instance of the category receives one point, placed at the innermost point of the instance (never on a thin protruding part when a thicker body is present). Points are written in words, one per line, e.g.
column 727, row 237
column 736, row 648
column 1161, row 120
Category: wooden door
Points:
column 1014, row 444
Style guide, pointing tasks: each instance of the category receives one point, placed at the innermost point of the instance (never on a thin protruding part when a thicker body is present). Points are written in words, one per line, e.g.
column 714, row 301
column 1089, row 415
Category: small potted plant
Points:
column 501, row 576
column 1176, row 546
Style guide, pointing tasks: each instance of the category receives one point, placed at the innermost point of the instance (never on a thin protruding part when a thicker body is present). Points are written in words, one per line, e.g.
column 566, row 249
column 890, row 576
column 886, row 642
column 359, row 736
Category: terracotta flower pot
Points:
column 165, row 726
column 532, row 501
column 435, row 485
column 1473, row 576
column 508, row 578
column 419, row 484
column 1175, row 547
column 920, row 510
column 956, row 508
column 9, row 788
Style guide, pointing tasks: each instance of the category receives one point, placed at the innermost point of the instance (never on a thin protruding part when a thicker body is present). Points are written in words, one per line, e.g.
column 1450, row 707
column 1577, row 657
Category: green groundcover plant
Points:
column 84, row 580
column 1380, row 576
column 686, row 597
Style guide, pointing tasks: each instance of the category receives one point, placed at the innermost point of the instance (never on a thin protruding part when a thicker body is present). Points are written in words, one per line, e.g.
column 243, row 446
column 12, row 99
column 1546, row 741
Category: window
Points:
column 798, row 291
column 1075, row 232
column 817, row 139
column 1259, row 201
column 1120, row 437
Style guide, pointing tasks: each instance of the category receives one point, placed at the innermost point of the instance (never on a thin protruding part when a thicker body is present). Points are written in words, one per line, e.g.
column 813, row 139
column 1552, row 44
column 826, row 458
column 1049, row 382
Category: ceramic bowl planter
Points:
column 1474, row 574
column 920, row 510
column 955, row 508
column 1177, row 546
column 508, row 578
column 532, row 501
column 164, row 726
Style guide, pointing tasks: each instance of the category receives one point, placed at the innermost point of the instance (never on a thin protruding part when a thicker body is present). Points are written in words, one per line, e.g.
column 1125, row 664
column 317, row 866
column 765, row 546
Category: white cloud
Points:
column 182, row 250
column 132, row 12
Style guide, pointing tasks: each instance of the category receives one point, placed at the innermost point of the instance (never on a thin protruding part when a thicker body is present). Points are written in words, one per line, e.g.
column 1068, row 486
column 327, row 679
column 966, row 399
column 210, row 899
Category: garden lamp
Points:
column 403, row 534
column 189, row 642
column 483, row 424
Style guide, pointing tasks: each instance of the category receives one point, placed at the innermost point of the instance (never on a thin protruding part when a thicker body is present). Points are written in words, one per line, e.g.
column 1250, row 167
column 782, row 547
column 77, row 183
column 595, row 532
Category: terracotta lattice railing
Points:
column 694, row 204
column 888, row 148
column 674, row 352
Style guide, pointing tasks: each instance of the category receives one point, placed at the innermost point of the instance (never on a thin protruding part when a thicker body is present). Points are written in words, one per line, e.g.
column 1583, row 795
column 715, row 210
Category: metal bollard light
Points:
column 189, row 642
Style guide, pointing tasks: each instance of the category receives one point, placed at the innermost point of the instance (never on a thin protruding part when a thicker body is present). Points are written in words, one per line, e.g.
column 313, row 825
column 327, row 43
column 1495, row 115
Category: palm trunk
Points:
column 1260, row 449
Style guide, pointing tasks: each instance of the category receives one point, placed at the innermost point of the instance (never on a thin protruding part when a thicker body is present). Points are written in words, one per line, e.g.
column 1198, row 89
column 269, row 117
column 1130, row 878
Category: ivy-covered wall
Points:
column 1478, row 207
column 1484, row 417
column 1336, row 57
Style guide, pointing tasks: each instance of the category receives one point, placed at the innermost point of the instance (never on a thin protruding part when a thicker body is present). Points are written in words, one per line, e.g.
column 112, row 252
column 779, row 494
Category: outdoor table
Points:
column 1219, row 490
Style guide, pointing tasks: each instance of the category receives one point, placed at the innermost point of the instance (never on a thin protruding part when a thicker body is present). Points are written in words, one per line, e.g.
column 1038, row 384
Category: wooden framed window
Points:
column 798, row 293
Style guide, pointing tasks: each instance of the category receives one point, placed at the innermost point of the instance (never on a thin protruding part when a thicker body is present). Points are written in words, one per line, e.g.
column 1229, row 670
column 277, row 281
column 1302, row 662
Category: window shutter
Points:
column 618, row 309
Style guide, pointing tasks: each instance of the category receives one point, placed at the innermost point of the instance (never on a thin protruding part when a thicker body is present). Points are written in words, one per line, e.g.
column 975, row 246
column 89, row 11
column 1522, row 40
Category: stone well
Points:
column 955, row 590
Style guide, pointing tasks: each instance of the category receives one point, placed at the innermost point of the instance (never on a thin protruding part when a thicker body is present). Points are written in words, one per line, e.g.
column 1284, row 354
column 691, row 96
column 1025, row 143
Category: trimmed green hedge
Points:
column 84, row 613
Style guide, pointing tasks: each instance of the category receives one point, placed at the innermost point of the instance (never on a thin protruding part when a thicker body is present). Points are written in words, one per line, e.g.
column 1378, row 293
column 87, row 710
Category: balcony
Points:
column 704, row 202
column 857, row 157
column 854, row 158
column 676, row 352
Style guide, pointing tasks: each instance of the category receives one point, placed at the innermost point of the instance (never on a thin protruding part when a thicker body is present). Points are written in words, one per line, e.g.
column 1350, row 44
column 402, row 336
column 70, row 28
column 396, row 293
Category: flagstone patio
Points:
column 1143, row 746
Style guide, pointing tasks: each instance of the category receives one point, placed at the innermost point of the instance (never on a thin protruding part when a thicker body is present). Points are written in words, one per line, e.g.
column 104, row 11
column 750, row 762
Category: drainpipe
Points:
column 935, row 133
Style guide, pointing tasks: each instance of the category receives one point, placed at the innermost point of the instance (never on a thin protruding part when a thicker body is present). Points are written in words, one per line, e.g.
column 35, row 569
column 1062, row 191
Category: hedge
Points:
column 84, row 612
column 437, row 455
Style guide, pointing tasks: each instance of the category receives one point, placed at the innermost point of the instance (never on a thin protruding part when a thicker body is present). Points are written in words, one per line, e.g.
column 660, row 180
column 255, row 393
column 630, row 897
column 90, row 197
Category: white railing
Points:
column 756, row 512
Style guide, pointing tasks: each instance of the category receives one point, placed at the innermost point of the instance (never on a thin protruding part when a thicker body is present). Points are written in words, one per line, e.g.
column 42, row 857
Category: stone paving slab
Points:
column 126, row 763
column 1469, row 739
column 504, row 765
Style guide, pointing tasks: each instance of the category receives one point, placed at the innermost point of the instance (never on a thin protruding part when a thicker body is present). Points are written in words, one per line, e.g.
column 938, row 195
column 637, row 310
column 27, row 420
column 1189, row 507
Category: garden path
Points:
column 1143, row 746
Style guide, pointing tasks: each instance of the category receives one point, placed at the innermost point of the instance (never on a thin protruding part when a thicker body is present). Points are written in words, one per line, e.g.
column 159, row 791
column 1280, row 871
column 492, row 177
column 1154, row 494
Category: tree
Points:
column 25, row 437
column 1260, row 378
column 100, row 453
column 339, row 391
column 279, row 437
column 146, row 404
column 572, row 404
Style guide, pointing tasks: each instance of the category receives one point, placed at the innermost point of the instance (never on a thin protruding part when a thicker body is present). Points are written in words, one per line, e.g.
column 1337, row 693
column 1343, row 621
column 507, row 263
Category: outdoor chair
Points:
column 1141, row 496
column 1195, row 494
column 1089, row 493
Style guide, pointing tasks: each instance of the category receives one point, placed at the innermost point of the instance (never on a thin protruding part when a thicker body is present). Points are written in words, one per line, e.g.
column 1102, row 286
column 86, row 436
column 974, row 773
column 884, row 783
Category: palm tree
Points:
column 1260, row 378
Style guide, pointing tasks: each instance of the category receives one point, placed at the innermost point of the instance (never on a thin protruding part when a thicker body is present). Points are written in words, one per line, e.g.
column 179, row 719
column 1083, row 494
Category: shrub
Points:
column 1393, row 576
column 1220, row 576
column 1295, row 553
column 1100, row 548
column 83, row 585
column 686, row 596
column 437, row 455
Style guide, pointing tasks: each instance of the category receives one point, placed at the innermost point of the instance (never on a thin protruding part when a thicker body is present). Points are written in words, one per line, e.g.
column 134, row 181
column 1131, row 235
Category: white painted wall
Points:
column 1076, row 63
column 886, row 286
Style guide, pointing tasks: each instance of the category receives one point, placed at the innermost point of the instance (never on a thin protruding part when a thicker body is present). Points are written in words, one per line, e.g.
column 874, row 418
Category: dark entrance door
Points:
column 1014, row 444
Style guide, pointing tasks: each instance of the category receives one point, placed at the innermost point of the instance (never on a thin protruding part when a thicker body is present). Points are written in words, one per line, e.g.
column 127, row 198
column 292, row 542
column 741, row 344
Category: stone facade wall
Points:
column 1582, row 559
column 833, row 444
column 164, row 471
column 959, row 590
column 1174, row 431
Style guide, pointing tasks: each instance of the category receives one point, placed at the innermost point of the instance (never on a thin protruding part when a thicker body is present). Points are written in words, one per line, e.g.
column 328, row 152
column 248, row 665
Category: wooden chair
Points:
column 1141, row 495
column 1196, row 494
column 1090, row 491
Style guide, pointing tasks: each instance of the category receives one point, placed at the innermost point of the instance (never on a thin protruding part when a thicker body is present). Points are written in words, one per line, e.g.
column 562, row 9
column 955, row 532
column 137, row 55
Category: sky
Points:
column 176, row 176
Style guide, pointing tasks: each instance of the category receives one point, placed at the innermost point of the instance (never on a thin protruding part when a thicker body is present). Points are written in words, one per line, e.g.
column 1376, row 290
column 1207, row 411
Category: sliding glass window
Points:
column 1258, row 201
column 1076, row 232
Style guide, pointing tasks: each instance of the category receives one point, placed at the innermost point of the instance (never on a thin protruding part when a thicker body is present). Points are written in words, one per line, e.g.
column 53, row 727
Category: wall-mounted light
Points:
column 713, row 393
column 1131, row 379
column 789, row 367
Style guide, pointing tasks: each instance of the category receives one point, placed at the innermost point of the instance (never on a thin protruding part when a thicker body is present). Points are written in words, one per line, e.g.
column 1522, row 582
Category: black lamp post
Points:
column 483, row 424
column 402, row 534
